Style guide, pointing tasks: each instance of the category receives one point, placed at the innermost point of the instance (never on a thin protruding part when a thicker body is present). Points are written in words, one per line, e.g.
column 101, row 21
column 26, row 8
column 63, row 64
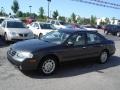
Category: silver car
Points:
column 15, row 30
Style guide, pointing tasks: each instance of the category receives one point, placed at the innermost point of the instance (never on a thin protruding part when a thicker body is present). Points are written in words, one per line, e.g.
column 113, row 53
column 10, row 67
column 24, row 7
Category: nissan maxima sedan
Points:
column 46, row 53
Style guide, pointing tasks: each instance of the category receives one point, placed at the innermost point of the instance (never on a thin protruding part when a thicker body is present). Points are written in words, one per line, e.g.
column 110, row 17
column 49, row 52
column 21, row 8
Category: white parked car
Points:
column 57, row 24
column 40, row 28
column 15, row 30
column 89, row 28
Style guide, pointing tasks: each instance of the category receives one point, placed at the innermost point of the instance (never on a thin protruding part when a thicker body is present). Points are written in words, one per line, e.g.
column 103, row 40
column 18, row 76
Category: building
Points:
column 112, row 21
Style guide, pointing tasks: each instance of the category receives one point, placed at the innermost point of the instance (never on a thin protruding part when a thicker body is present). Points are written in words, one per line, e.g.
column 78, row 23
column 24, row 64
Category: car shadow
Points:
column 70, row 69
column 3, row 43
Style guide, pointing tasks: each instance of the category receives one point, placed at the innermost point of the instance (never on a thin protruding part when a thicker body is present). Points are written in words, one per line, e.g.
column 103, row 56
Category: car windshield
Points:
column 57, row 37
column 62, row 23
column 47, row 26
column 15, row 25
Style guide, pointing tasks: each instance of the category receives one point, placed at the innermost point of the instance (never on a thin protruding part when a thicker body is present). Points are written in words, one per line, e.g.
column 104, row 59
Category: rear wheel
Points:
column 48, row 66
column 103, row 57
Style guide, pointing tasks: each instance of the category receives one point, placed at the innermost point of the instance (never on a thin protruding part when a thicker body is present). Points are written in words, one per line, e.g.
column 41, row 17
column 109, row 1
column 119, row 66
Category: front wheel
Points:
column 6, row 38
column 40, row 35
column 48, row 66
column 103, row 57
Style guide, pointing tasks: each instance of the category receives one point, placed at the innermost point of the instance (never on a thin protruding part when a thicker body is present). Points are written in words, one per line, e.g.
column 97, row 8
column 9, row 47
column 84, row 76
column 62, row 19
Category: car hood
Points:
column 19, row 30
column 31, row 45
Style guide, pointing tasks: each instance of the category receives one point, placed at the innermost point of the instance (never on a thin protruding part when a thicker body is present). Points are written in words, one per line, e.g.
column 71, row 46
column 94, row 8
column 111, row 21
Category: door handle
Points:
column 84, row 47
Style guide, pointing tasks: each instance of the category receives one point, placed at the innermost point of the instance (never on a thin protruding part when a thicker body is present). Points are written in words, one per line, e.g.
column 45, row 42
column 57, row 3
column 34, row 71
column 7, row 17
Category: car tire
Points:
column 5, row 37
column 48, row 66
column 40, row 35
column 103, row 57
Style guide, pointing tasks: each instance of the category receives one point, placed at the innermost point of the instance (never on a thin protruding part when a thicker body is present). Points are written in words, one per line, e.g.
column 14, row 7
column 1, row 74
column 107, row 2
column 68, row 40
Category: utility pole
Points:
column 30, row 9
column 48, row 7
column 2, row 11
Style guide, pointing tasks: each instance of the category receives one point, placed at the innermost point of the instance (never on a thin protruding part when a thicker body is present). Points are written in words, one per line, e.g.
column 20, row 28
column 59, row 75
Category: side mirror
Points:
column 37, row 27
column 70, row 43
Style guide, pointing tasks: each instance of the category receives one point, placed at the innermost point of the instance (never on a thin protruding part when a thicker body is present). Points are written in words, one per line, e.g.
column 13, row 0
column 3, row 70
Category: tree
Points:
column 69, row 20
column 102, row 22
column 73, row 17
column 19, row 14
column 107, row 21
column 62, row 18
column 41, row 12
column 55, row 14
column 86, row 21
column 113, row 20
column 93, row 20
column 78, row 20
column 15, row 6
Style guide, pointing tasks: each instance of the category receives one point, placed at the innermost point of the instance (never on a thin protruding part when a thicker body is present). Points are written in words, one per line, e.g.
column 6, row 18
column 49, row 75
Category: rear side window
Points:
column 93, row 38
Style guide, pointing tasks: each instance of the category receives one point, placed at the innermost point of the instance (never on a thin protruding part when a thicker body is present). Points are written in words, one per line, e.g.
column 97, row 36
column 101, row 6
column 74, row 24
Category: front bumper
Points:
column 12, row 38
column 25, row 65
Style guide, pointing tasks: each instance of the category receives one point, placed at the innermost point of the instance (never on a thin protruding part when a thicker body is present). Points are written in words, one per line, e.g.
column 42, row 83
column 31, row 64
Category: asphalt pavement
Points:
column 71, row 76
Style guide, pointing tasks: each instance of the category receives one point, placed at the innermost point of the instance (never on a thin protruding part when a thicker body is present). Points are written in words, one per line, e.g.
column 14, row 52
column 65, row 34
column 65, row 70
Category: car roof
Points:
column 75, row 31
column 12, row 20
column 41, row 22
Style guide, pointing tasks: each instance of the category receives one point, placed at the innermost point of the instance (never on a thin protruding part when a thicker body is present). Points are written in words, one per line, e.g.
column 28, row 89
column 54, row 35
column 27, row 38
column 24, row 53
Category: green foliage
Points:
column 93, row 20
column 41, row 12
column 102, row 23
column 15, row 6
column 62, row 18
column 107, row 21
column 73, row 17
column 19, row 14
column 69, row 20
column 55, row 14
column 113, row 19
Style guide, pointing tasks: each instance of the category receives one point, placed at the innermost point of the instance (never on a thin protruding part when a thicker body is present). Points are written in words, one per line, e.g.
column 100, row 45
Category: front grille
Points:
column 23, row 35
column 12, row 52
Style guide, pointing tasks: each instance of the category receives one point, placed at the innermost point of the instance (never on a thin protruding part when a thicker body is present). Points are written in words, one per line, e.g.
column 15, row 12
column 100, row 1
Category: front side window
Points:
column 93, row 38
column 57, row 37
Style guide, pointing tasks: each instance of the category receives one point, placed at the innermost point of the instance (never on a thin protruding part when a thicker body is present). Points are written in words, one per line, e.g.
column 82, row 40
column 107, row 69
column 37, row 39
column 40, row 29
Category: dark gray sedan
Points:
column 58, row 46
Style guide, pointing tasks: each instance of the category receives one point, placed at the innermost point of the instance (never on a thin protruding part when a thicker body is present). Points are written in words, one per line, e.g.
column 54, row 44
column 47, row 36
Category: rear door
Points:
column 94, row 44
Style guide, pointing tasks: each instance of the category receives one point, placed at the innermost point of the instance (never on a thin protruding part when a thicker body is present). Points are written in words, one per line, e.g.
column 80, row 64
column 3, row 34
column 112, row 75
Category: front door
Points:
column 74, row 48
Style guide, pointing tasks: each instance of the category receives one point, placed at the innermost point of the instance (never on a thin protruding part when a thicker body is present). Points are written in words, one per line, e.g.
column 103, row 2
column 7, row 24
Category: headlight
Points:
column 21, row 56
column 24, row 55
column 13, row 33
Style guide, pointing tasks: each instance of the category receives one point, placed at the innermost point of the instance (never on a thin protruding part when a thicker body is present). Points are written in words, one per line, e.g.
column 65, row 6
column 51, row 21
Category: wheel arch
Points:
column 50, row 55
